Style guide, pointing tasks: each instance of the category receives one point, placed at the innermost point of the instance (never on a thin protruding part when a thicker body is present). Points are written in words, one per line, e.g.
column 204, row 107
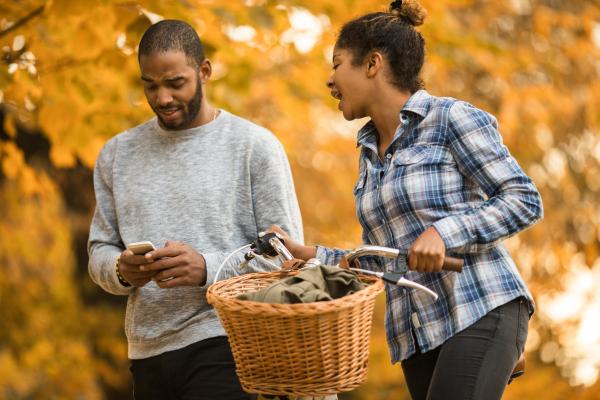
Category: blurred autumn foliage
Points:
column 69, row 80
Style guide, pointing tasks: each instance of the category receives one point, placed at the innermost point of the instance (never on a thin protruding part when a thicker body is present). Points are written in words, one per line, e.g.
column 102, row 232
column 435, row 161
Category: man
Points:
column 201, row 181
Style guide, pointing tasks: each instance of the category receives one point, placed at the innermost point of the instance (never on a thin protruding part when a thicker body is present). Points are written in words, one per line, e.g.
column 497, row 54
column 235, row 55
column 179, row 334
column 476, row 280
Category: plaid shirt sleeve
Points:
column 513, row 201
column 329, row 255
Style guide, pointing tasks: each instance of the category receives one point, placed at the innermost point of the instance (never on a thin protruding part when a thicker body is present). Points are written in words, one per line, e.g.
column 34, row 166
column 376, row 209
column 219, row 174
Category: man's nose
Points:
column 164, row 97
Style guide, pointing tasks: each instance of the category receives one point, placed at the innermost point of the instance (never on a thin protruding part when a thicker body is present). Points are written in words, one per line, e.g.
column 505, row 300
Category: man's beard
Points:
column 190, row 112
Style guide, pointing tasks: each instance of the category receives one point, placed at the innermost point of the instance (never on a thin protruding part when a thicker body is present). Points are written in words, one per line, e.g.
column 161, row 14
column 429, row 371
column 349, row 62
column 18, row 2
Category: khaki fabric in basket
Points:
column 321, row 283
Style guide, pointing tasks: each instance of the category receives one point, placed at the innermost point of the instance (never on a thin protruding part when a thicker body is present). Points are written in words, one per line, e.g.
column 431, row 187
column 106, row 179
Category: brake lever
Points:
column 398, row 279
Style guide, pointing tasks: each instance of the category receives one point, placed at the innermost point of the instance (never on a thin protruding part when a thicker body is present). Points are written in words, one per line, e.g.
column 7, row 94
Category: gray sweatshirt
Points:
column 214, row 187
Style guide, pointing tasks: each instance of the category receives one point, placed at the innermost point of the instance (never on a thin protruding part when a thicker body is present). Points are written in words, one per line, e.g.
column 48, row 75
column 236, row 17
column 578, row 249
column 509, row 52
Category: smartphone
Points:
column 141, row 248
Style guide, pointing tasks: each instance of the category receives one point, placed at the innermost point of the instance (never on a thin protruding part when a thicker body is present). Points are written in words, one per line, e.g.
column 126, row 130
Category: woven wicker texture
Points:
column 296, row 349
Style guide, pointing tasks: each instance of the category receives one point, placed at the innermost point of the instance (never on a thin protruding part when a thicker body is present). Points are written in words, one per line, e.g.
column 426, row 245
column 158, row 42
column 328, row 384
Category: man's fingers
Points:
column 163, row 263
column 128, row 268
column 169, row 274
column 129, row 258
column 143, row 274
column 169, row 283
column 174, row 277
column 169, row 251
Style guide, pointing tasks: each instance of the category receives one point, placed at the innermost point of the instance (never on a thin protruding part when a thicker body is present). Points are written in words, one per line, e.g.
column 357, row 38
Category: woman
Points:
column 434, row 180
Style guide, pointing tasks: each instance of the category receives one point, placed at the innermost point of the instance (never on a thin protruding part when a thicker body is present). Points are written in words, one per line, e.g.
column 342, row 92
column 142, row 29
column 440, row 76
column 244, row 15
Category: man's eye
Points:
column 177, row 85
column 335, row 66
column 150, row 87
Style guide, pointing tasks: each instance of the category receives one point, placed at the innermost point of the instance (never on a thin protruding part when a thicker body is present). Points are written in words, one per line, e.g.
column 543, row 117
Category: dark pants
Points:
column 202, row 371
column 476, row 363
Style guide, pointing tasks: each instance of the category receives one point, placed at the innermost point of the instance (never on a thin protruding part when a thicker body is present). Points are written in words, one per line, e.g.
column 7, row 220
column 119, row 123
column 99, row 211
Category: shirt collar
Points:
column 419, row 103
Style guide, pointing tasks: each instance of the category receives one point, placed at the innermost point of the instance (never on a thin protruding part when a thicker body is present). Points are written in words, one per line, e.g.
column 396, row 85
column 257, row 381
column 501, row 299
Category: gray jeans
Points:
column 476, row 363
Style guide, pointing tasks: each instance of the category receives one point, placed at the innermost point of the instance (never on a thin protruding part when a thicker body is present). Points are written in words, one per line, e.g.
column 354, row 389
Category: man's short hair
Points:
column 172, row 35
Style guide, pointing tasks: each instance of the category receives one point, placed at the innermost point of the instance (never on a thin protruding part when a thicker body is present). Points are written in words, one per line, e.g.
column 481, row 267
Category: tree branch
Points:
column 23, row 20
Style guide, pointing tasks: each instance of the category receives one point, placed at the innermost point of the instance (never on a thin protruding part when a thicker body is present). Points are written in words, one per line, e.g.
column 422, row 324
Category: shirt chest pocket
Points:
column 423, row 158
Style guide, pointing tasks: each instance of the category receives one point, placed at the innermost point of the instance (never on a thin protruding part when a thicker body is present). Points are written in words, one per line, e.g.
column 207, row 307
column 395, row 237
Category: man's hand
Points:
column 427, row 252
column 176, row 264
column 129, row 268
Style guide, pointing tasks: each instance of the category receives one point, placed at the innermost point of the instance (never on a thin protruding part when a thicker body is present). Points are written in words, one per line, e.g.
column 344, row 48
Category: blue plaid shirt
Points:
column 446, row 167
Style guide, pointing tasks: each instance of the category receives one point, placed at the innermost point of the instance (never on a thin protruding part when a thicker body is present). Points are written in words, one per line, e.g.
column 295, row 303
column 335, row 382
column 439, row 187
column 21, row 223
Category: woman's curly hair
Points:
column 393, row 34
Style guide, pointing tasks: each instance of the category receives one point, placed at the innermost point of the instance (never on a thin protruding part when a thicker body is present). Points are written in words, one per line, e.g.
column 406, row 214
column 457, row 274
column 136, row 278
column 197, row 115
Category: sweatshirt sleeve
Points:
column 273, row 199
column 513, row 202
column 104, row 243
column 273, row 194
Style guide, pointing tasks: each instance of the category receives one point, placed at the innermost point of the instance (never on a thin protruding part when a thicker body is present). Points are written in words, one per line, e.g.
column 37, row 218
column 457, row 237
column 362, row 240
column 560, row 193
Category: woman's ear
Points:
column 374, row 64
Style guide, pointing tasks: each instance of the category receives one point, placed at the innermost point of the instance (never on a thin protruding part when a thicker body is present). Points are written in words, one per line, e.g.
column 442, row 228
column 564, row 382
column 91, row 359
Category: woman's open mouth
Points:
column 337, row 95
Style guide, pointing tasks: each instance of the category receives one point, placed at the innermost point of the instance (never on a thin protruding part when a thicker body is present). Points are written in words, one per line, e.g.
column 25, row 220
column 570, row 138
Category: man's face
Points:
column 173, row 89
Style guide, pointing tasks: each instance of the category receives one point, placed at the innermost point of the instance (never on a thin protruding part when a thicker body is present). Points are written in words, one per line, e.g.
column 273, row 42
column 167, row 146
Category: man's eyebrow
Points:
column 173, row 79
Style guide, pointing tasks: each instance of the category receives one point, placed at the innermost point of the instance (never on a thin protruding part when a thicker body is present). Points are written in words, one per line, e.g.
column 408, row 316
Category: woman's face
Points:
column 348, row 84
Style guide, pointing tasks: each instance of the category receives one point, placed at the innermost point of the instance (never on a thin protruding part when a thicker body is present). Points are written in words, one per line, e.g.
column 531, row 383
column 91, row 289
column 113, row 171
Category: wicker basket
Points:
column 307, row 349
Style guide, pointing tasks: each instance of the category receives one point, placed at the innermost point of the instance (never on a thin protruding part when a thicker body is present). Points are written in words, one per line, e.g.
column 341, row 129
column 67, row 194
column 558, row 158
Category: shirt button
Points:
column 388, row 156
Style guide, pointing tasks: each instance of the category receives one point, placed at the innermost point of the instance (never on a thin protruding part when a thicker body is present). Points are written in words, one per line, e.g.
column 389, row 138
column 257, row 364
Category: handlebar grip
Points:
column 453, row 264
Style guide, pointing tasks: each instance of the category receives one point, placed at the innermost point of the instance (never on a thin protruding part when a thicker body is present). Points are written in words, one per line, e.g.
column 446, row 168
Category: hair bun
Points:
column 410, row 10
column 396, row 5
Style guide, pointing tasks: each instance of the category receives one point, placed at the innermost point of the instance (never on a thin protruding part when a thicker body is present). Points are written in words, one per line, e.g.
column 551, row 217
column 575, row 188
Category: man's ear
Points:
column 374, row 63
column 205, row 71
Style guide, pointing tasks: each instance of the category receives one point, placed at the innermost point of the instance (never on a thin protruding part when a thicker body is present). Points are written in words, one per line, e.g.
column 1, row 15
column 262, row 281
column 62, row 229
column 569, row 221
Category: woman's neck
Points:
column 385, row 114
